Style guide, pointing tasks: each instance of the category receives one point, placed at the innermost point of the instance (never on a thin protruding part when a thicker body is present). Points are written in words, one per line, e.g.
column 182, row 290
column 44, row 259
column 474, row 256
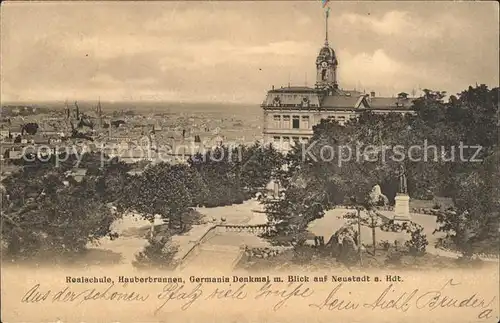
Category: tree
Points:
column 194, row 183
column 468, row 119
column 291, row 215
column 349, row 160
column 42, row 213
column 30, row 128
column 158, row 253
column 474, row 226
column 231, row 175
column 258, row 165
column 113, row 183
column 315, row 182
column 179, row 197
column 221, row 176
column 160, row 189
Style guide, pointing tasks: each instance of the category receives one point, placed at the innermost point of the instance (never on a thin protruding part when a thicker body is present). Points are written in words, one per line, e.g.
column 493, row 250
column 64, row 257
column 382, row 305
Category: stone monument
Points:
column 402, row 207
column 377, row 198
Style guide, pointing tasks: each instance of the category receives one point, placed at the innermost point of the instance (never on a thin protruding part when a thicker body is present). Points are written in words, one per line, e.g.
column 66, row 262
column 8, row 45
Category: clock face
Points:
column 324, row 64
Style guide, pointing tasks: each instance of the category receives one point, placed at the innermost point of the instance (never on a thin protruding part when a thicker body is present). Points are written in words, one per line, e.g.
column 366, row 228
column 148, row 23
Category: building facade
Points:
column 291, row 112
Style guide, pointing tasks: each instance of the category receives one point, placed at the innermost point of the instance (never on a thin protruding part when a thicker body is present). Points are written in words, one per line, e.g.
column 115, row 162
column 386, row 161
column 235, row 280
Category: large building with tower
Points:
column 290, row 112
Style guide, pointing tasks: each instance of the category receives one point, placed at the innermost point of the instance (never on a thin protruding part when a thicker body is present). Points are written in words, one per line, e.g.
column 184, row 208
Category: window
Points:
column 276, row 121
column 286, row 122
column 305, row 122
column 295, row 140
column 286, row 142
column 305, row 139
column 296, row 122
column 276, row 141
column 330, row 118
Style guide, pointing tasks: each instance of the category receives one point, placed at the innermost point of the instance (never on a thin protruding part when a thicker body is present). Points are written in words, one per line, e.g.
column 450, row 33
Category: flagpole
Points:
column 326, row 25
column 327, row 14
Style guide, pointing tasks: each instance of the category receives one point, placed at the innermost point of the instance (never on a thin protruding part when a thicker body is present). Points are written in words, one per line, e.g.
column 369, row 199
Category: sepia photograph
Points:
column 250, row 161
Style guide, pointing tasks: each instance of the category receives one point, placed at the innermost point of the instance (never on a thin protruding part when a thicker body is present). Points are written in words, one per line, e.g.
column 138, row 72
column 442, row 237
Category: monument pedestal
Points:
column 274, row 187
column 402, row 208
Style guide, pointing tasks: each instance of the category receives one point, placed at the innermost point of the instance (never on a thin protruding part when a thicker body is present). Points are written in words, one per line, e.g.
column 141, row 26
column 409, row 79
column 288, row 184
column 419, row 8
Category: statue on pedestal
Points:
column 403, row 189
column 402, row 205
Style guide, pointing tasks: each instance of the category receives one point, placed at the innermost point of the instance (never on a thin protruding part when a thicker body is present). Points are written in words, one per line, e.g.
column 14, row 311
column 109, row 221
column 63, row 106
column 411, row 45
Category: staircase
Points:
column 220, row 249
column 213, row 258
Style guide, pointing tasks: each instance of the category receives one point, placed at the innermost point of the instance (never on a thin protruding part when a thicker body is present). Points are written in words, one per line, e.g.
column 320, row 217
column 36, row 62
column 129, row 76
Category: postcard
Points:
column 250, row 161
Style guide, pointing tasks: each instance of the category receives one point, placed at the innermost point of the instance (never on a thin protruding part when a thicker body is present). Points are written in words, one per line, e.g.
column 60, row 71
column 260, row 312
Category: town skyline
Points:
column 185, row 51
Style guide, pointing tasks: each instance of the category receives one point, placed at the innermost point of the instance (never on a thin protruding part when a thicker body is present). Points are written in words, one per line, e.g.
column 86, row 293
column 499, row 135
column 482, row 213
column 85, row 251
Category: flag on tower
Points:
column 325, row 2
column 327, row 11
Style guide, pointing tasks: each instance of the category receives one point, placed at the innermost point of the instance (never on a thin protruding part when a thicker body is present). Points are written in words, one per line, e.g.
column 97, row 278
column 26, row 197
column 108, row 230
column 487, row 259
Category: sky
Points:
column 235, row 51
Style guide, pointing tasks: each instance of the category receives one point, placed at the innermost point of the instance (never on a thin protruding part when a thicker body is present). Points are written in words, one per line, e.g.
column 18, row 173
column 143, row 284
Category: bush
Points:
column 418, row 243
column 350, row 215
column 470, row 262
column 394, row 257
column 348, row 253
column 303, row 254
column 391, row 226
column 159, row 253
column 384, row 245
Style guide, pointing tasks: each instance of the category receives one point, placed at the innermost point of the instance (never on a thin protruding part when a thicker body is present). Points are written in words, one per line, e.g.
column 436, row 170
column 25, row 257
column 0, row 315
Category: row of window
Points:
column 294, row 105
column 289, row 140
column 296, row 122
column 296, row 96
column 293, row 122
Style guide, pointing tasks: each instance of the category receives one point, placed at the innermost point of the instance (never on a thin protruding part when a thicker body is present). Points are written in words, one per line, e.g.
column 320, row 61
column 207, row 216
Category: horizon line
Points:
column 6, row 102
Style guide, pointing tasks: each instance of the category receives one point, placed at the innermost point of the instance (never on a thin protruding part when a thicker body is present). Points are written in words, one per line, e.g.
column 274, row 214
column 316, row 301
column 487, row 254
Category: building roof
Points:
column 16, row 154
column 340, row 102
column 37, row 139
column 352, row 92
column 326, row 53
column 294, row 89
column 384, row 103
column 13, row 129
column 9, row 169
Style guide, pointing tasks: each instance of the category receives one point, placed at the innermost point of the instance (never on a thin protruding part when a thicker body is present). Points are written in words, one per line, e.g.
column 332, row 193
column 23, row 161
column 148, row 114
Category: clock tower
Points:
column 326, row 64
